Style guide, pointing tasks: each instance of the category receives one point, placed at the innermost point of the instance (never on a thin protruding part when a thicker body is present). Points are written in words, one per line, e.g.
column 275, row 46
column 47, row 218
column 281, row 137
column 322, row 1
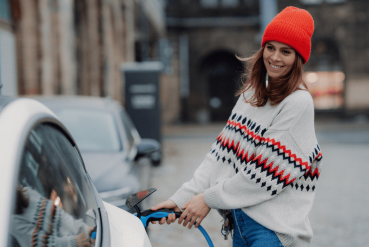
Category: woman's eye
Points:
column 270, row 47
column 286, row 52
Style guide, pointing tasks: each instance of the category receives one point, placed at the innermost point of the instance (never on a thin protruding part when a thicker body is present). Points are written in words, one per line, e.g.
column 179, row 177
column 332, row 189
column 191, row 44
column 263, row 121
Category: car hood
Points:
column 107, row 170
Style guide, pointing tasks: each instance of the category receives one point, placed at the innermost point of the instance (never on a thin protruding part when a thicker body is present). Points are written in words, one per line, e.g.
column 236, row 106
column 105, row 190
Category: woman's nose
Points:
column 276, row 56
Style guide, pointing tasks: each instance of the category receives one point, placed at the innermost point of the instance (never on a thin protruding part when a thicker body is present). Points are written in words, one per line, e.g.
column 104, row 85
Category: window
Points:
column 4, row 10
column 209, row 3
column 229, row 3
column 222, row 3
column 249, row 2
column 335, row 1
column 311, row 1
column 129, row 128
column 54, row 204
column 93, row 130
column 324, row 76
column 321, row 1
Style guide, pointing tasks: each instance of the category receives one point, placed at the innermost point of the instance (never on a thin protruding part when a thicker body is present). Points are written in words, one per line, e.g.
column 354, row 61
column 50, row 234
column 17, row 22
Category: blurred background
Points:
column 172, row 64
column 80, row 47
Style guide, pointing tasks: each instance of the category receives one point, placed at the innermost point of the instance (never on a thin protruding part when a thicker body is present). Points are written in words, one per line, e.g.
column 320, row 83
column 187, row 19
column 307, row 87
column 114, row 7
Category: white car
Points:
column 47, row 197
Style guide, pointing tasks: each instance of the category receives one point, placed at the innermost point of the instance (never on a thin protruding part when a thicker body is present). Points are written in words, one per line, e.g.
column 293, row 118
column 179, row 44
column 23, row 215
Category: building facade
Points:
column 77, row 47
column 207, row 35
column 8, row 55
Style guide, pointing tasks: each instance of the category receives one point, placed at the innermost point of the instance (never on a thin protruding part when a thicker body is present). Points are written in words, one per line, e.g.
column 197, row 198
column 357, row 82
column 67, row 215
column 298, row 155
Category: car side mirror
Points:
column 91, row 213
column 138, row 197
column 147, row 147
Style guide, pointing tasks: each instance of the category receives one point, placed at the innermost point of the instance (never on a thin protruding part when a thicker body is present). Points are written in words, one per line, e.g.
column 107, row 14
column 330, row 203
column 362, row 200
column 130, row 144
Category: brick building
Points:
column 207, row 34
column 77, row 46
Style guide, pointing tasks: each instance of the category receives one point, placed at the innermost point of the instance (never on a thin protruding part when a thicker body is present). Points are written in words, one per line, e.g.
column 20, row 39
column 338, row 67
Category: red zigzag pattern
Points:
column 230, row 145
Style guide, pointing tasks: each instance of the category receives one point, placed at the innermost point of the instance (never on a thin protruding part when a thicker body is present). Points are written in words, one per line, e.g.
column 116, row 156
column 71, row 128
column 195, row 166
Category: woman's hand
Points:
column 168, row 205
column 90, row 231
column 82, row 240
column 195, row 211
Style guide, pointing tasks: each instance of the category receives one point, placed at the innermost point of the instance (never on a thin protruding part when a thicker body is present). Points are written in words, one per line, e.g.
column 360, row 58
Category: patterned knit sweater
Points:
column 44, row 224
column 266, row 161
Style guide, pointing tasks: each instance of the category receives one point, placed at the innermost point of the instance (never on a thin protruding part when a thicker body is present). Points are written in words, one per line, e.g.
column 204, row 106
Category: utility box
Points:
column 142, row 94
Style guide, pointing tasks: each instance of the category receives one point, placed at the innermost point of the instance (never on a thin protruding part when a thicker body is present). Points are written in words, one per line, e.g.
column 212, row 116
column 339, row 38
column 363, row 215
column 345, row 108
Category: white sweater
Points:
column 266, row 161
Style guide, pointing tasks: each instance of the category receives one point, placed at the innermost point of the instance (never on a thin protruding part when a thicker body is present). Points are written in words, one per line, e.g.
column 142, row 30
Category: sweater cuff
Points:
column 180, row 198
column 210, row 197
column 72, row 242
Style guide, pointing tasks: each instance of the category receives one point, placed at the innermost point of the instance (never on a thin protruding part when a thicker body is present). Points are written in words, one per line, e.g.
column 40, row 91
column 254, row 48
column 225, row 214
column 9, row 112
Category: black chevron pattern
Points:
column 249, row 130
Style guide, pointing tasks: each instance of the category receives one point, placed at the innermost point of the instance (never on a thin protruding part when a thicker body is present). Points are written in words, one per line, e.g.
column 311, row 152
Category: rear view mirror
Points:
column 147, row 147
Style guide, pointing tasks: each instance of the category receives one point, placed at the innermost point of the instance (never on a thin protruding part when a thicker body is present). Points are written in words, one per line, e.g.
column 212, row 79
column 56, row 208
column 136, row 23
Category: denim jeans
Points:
column 249, row 233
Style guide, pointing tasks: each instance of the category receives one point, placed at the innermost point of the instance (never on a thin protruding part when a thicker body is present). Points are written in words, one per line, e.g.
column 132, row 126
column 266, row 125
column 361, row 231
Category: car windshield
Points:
column 92, row 130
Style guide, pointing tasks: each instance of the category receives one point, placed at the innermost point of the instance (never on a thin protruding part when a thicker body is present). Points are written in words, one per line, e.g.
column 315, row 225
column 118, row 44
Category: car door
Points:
column 55, row 202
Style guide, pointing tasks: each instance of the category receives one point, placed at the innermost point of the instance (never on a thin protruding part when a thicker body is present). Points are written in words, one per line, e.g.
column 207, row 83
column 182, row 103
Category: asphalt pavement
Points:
column 340, row 215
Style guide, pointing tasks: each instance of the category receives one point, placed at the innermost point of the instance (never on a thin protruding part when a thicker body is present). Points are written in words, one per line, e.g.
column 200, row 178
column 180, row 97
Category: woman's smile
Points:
column 278, row 58
column 275, row 66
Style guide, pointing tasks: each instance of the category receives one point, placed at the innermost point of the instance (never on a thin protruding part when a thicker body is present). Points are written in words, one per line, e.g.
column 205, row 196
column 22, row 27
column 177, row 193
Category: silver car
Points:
column 109, row 143
column 47, row 196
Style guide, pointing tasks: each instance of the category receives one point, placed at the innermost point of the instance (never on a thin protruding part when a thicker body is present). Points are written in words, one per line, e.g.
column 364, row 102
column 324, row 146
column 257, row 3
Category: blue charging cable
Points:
column 149, row 215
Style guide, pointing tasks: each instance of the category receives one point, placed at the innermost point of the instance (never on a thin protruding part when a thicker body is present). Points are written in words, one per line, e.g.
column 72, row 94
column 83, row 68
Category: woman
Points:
column 265, row 163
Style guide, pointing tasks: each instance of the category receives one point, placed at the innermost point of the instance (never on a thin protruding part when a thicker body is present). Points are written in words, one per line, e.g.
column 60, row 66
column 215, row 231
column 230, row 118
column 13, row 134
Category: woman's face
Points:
column 278, row 58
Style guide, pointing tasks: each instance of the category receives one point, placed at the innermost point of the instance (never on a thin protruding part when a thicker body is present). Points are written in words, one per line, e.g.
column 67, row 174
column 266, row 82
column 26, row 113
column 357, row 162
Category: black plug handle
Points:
column 151, row 215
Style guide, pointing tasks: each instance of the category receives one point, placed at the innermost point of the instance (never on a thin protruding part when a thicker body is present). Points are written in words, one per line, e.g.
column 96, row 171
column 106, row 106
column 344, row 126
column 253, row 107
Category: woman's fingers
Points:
column 194, row 220
column 195, row 210
column 188, row 218
column 162, row 221
column 160, row 205
column 198, row 222
column 171, row 218
column 183, row 215
column 167, row 204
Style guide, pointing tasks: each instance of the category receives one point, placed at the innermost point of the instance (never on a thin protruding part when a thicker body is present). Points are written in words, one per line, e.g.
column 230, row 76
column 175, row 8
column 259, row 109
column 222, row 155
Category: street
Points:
column 339, row 216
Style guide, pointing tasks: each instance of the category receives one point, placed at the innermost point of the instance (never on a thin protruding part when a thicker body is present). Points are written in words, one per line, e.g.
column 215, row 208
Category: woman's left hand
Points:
column 195, row 210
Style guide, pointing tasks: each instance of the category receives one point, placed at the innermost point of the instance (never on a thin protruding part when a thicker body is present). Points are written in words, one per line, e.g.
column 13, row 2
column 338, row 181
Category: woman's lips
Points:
column 274, row 66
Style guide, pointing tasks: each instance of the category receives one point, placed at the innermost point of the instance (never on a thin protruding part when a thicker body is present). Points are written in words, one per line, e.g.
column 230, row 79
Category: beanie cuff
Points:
column 298, row 39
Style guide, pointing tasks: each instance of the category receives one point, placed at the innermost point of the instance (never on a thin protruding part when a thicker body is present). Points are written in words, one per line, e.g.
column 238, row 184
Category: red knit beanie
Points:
column 293, row 27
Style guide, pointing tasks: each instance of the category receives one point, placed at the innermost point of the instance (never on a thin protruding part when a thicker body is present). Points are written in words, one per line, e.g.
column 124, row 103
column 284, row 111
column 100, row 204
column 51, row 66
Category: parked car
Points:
column 46, row 193
column 109, row 144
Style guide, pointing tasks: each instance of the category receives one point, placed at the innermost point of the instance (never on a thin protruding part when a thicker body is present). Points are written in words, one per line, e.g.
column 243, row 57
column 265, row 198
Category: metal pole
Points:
column 184, row 78
column 1, row 85
column 144, row 35
column 268, row 10
column 184, row 64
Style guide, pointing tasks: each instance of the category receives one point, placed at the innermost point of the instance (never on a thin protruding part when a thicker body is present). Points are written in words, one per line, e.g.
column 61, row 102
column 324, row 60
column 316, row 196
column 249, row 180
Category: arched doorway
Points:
column 221, row 72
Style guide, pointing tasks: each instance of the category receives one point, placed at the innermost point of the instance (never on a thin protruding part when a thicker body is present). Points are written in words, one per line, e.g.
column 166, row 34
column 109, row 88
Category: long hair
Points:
column 254, row 79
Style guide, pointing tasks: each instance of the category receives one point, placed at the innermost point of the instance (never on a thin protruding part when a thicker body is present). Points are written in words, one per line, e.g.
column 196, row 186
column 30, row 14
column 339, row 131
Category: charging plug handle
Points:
column 150, row 215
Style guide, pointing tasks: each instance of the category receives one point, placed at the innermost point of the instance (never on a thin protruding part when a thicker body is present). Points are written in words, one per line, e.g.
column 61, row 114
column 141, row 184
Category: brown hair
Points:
column 255, row 75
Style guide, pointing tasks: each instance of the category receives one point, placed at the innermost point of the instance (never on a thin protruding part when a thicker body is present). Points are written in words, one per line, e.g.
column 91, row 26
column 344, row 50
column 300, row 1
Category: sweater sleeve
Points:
column 282, row 155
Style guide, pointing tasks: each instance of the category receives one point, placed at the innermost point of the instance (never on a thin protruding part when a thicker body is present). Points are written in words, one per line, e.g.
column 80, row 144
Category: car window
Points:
column 93, row 130
column 54, row 204
column 129, row 128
